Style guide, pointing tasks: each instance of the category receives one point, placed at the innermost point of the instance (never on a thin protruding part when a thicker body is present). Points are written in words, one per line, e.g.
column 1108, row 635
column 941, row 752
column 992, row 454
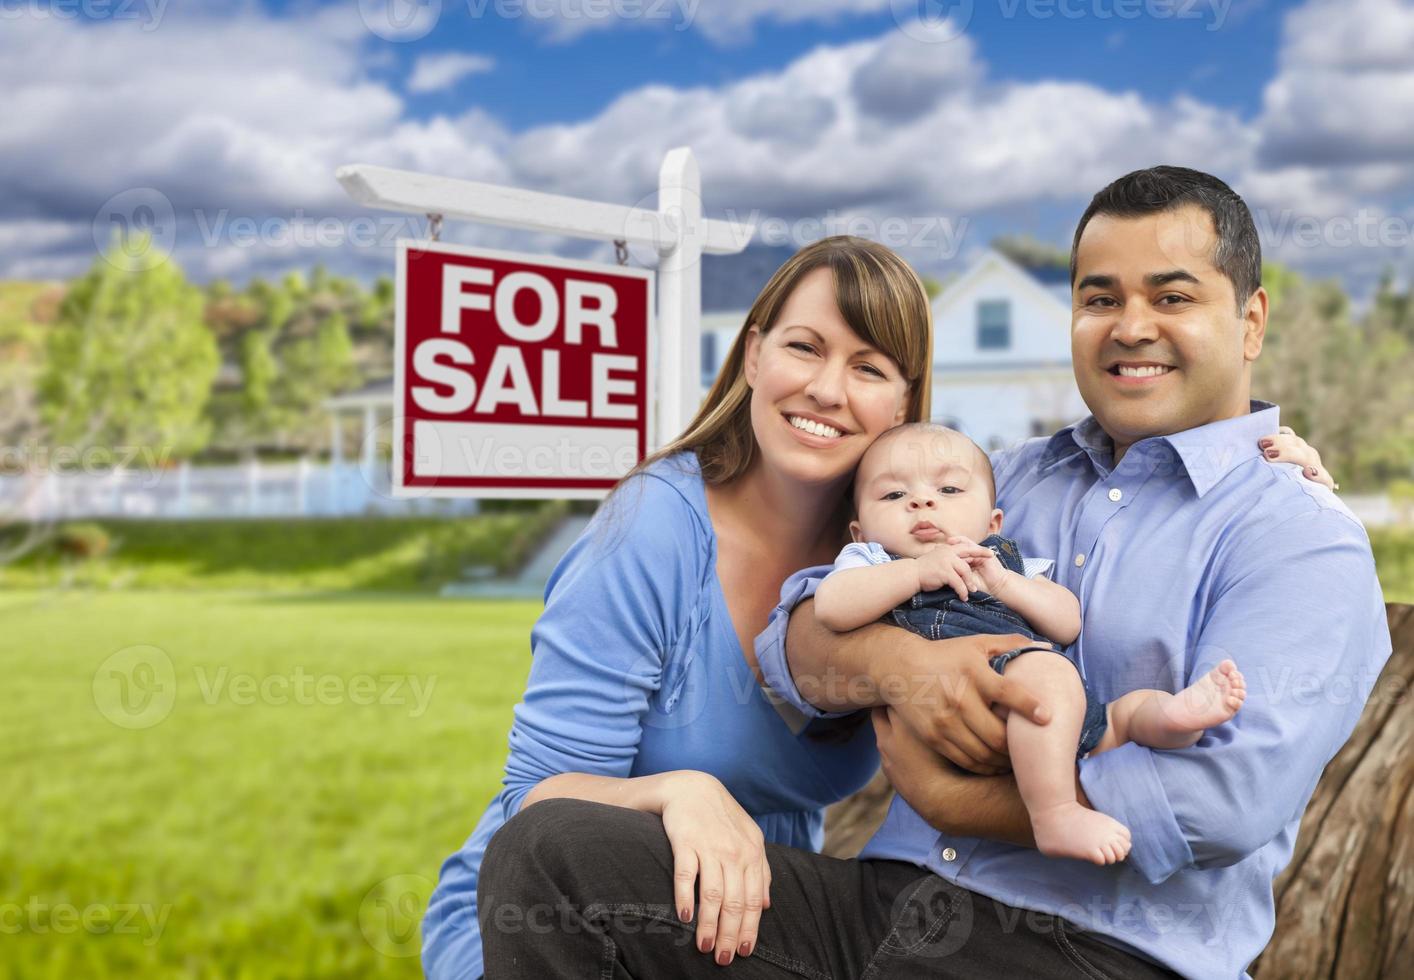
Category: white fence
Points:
column 255, row 489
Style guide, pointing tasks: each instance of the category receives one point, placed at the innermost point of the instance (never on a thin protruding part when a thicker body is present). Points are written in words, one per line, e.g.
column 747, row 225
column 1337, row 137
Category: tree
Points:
column 1346, row 386
column 130, row 361
column 1030, row 252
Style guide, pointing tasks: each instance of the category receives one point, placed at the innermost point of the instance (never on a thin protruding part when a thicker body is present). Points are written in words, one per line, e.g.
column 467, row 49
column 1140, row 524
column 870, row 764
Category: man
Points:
column 1184, row 549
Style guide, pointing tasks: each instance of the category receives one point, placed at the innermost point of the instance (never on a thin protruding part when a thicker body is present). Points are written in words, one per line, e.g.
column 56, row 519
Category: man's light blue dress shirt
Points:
column 1192, row 550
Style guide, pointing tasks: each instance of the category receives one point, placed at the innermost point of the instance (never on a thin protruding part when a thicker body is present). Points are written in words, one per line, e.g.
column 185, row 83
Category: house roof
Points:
column 993, row 261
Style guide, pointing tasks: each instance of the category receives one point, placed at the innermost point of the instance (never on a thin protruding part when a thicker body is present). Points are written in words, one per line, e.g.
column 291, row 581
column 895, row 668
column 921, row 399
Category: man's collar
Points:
column 1207, row 453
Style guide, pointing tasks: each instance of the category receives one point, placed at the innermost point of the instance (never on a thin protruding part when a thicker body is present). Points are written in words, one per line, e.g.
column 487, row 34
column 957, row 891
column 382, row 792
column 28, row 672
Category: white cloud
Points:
column 433, row 72
column 1344, row 85
column 248, row 114
column 720, row 21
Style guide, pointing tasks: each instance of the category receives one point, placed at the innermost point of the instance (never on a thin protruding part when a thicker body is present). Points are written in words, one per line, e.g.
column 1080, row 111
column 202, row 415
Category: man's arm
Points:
column 1300, row 611
column 944, row 688
column 954, row 802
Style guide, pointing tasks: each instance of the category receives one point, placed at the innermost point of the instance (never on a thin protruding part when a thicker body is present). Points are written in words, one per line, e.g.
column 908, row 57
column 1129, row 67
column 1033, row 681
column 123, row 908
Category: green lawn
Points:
column 417, row 554
column 262, row 825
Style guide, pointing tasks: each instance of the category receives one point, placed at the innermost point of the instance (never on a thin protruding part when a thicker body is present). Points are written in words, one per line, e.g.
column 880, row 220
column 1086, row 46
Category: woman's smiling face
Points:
column 819, row 393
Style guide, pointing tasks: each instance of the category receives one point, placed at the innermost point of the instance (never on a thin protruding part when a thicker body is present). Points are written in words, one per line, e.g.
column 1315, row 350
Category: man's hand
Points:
column 921, row 776
column 946, row 692
column 953, row 801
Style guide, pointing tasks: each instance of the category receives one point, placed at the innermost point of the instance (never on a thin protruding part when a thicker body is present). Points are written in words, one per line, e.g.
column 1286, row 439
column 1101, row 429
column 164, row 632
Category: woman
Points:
column 644, row 691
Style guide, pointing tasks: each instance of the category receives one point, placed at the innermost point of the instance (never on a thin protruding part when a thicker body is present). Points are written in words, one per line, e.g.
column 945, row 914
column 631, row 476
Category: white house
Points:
column 1001, row 352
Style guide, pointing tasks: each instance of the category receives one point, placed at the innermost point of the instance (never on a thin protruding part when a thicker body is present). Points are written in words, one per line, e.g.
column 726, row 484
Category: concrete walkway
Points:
column 530, row 582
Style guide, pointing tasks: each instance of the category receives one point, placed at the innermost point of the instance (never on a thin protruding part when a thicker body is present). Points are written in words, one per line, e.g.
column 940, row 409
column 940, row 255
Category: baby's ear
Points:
column 855, row 531
column 995, row 526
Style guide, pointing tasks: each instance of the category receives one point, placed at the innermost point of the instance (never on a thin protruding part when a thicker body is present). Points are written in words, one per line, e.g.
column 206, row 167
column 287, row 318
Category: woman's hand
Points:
column 1287, row 447
column 717, row 845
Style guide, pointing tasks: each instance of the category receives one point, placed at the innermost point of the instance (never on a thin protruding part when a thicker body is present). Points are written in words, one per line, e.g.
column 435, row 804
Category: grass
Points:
column 250, row 834
column 391, row 554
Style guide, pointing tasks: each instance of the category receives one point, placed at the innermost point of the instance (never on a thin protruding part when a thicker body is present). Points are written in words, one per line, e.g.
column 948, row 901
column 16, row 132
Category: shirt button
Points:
column 949, row 854
column 1079, row 560
column 1115, row 494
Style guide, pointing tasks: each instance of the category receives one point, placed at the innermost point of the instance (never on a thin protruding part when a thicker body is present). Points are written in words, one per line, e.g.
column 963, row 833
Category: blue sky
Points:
column 544, row 80
column 962, row 119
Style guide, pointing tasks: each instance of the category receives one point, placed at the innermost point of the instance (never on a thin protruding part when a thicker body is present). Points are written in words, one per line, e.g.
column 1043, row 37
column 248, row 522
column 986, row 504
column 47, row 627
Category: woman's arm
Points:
column 617, row 604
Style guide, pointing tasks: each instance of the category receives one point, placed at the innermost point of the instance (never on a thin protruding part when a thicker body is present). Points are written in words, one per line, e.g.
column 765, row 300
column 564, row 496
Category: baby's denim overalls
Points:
column 941, row 615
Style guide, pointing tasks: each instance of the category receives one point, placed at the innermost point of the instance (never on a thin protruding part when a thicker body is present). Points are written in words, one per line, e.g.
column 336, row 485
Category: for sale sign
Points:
column 517, row 375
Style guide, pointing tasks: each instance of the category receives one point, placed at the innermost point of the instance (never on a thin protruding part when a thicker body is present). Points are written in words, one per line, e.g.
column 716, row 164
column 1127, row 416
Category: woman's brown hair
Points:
column 880, row 297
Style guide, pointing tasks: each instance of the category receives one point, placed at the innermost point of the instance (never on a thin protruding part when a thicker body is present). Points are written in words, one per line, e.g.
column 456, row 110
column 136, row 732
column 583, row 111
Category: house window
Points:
column 994, row 324
column 709, row 358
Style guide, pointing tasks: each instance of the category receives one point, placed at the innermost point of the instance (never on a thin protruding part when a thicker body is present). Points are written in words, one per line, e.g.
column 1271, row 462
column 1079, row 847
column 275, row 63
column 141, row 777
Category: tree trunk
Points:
column 1345, row 902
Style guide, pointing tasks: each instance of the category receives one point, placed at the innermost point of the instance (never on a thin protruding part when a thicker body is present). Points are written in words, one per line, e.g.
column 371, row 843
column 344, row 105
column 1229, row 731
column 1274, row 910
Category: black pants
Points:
column 584, row 890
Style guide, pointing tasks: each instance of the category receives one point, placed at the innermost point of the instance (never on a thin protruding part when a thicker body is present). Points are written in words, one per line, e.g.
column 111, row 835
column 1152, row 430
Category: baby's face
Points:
column 915, row 489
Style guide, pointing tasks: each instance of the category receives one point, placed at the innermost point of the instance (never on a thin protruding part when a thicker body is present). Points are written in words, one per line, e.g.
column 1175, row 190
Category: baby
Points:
column 927, row 553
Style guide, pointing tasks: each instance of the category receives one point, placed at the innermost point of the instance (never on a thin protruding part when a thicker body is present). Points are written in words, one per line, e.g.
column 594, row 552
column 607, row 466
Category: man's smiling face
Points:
column 1158, row 340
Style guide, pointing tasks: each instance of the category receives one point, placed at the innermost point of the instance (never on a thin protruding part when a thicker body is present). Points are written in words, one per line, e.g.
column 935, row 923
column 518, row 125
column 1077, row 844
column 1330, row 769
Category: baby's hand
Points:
column 982, row 560
column 942, row 567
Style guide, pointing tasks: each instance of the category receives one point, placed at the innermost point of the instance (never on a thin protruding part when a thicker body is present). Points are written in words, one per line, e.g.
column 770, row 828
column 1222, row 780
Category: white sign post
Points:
column 676, row 231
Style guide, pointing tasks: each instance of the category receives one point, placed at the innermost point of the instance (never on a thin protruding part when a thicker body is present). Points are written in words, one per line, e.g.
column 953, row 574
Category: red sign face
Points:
column 517, row 375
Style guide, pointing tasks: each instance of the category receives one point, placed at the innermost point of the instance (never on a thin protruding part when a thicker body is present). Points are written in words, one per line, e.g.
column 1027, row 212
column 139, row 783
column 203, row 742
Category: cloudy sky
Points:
column 938, row 123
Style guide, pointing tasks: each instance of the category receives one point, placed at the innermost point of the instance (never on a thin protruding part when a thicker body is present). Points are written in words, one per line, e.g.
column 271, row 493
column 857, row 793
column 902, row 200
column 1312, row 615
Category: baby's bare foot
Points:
column 1213, row 699
column 1073, row 831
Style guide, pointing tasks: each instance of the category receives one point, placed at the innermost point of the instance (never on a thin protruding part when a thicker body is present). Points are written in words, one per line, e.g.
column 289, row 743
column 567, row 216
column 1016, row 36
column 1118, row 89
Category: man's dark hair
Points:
column 1144, row 192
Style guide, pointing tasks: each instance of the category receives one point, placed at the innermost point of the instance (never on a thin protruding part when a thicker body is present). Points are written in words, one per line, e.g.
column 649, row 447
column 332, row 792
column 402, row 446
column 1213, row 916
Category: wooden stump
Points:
column 1345, row 903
